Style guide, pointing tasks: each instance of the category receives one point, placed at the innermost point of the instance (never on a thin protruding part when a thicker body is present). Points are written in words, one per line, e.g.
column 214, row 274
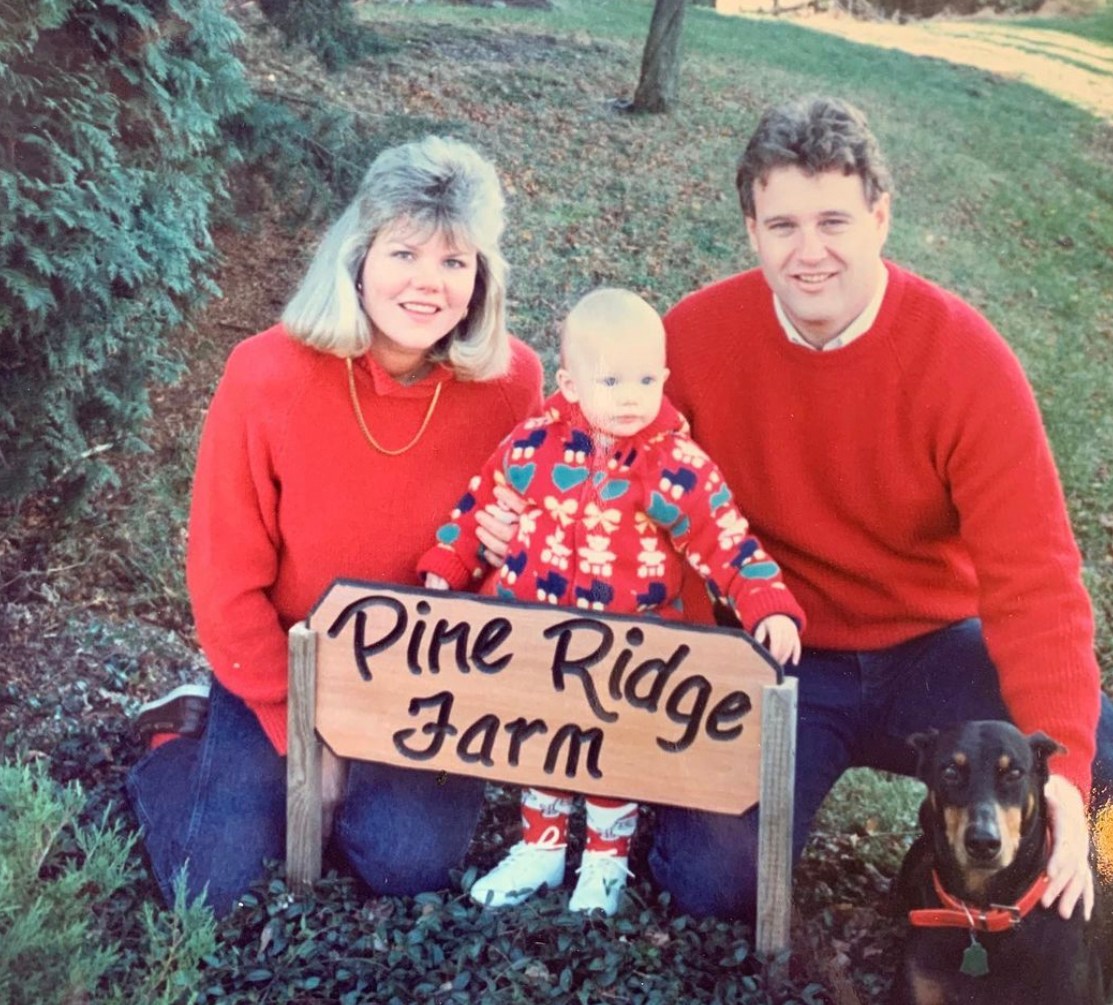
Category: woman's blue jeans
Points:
column 216, row 807
column 855, row 709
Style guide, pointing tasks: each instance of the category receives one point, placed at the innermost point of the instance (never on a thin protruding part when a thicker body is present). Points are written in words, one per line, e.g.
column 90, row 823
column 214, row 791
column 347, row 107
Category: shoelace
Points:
column 605, row 865
column 521, row 848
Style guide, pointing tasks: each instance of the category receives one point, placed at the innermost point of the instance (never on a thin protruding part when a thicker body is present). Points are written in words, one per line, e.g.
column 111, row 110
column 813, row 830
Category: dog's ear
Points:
column 924, row 745
column 1042, row 748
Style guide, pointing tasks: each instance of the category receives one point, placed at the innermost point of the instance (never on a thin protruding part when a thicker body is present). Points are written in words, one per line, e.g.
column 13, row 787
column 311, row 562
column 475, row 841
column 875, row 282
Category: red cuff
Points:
column 444, row 562
column 1075, row 770
column 753, row 608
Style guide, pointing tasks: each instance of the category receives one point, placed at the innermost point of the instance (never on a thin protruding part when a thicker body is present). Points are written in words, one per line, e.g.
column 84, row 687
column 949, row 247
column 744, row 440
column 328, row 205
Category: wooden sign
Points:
column 533, row 694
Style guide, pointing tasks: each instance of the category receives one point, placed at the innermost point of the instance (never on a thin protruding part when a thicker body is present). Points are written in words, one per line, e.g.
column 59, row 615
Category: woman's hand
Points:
column 1069, row 865
column 779, row 634
column 334, row 780
column 497, row 523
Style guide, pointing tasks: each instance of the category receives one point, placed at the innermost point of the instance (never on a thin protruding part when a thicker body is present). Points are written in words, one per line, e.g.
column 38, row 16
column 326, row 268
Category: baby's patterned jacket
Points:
column 604, row 528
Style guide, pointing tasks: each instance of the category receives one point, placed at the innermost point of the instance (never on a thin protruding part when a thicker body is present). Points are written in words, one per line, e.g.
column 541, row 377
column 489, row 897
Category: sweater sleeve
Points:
column 456, row 556
column 1012, row 515
column 694, row 504
column 232, row 557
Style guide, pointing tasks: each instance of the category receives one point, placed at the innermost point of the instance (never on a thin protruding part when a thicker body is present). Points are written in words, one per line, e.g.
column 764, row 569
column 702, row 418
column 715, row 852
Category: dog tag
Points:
column 975, row 960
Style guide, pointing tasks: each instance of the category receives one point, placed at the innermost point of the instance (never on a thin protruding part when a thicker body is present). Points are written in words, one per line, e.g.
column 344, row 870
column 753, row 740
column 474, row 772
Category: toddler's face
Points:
column 618, row 378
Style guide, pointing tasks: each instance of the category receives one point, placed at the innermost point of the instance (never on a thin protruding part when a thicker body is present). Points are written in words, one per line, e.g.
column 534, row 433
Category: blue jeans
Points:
column 216, row 807
column 855, row 710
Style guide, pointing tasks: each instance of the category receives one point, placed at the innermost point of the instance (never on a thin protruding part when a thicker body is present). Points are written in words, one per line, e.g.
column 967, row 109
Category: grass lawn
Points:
column 1097, row 25
column 1003, row 194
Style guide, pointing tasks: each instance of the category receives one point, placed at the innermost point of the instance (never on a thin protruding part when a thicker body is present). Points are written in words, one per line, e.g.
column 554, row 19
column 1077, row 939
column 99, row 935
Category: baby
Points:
column 616, row 495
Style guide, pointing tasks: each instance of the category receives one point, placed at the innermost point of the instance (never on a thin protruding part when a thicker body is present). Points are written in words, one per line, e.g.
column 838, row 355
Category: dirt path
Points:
column 1067, row 66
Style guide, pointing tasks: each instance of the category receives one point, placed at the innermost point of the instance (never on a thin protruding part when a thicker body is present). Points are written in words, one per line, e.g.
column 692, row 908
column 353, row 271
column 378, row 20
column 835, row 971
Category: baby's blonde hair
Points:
column 604, row 311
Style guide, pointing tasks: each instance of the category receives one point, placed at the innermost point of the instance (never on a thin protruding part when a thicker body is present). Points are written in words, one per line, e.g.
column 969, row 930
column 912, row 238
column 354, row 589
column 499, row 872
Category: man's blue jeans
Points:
column 216, row 806
column 856, row 709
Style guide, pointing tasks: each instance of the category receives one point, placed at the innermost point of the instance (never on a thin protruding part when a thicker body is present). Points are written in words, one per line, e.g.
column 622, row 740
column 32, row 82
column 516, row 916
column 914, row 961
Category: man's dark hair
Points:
column 815, row 135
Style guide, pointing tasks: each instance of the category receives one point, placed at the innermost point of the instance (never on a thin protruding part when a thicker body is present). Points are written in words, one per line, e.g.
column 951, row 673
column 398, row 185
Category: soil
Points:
column 1071, row 68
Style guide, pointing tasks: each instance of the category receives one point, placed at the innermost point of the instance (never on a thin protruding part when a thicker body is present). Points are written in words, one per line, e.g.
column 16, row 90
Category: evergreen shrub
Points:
column 315, row 157
column 328, row 28
column 113, row 154
column 58, row 881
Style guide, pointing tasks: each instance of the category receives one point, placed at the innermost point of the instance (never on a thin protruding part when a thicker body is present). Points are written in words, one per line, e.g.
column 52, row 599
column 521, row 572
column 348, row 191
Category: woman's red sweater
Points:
column 288, row 494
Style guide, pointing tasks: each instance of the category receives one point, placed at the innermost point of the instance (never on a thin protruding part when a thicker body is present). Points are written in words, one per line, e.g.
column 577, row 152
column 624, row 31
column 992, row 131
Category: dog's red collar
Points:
column 957, row 913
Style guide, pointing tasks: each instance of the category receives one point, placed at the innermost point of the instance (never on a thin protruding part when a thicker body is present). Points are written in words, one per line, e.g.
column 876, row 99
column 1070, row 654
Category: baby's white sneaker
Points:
column 526, row 868
column 602, row 880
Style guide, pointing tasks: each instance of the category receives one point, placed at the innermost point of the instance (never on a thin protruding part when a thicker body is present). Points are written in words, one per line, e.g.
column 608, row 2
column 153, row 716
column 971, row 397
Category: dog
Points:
column 972, row 881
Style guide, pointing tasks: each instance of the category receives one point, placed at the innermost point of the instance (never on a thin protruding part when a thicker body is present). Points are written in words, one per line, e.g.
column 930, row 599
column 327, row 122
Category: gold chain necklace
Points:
column 363, row 425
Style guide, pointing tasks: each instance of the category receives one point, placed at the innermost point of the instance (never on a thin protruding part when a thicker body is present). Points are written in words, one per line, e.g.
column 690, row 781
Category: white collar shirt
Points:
column 858, row 327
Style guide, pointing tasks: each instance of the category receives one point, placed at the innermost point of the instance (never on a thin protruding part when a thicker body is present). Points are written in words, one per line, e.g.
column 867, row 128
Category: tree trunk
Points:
column 661, row 59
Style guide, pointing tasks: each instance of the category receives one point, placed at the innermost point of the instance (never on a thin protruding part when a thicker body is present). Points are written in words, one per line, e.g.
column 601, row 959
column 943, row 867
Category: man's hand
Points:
column 334, row 780
column 779, row 634
column 1069, row 865
column 496, row 524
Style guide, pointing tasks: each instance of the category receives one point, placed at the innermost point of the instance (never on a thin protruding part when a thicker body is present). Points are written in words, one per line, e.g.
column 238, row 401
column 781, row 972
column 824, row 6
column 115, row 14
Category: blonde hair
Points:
column 606, row 309
column 435, row 184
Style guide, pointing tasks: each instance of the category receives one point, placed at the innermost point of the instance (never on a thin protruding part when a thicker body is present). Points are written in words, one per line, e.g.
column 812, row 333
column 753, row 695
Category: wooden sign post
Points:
column 532, row 694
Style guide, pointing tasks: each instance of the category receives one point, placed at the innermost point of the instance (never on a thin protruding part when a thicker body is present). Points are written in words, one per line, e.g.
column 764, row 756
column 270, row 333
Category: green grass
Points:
column 1004, row 193
column 1097, row 25
column 879, row 809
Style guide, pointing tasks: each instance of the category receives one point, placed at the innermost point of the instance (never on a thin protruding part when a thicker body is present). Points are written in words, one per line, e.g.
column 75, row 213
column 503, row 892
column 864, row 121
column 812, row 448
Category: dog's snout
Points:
column 982, row 840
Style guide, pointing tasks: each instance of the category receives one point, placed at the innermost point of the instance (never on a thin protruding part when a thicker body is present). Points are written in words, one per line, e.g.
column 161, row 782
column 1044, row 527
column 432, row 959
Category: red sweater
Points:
column 605, row 530
column 904, row 482
column 288, row 495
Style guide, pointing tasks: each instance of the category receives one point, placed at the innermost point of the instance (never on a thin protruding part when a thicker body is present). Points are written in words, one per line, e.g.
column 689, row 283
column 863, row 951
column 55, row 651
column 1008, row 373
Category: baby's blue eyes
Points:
column 647, row 381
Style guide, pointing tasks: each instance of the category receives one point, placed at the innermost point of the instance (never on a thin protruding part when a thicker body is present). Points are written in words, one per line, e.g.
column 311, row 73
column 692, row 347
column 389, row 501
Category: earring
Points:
column 359, row 272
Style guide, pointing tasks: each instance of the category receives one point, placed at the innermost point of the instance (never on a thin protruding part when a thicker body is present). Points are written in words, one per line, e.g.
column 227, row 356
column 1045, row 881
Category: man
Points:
column 887, row 448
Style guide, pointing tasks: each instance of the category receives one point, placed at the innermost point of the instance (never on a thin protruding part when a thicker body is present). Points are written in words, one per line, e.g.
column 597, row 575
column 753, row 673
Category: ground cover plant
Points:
column 1003, row 194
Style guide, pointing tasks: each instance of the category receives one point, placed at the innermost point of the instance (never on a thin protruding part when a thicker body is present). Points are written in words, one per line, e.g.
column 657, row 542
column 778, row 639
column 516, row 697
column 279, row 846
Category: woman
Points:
column 334, row 444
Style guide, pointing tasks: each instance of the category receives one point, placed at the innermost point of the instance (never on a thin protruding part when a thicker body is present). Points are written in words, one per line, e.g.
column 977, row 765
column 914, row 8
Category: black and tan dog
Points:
column 972, row 882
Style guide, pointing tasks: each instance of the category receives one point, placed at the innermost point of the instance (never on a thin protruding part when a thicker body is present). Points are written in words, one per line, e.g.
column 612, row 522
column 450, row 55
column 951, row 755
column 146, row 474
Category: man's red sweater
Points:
column 288, row 495
column 904, row 482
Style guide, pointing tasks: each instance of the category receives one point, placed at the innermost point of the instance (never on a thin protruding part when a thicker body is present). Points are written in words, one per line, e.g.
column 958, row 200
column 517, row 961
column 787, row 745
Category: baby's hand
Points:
column 435, row 582
column 779, row 634
column 498, row 524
